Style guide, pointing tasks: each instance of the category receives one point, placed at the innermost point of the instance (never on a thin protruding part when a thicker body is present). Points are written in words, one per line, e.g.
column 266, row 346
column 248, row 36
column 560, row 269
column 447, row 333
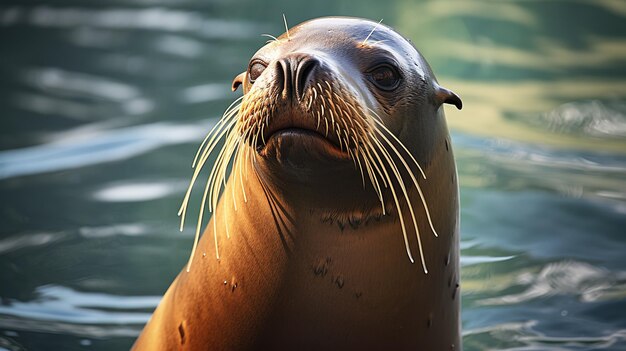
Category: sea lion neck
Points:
column 317, row 185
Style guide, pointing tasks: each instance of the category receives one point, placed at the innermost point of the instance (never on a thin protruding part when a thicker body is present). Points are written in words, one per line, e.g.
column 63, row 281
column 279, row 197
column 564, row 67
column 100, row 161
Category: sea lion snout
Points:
column 298, row 105
column 294, row 72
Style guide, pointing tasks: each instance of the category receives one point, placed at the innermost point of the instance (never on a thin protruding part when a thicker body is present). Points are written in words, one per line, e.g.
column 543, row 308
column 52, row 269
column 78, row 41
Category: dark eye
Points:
column 255, row 70
column 385, row 77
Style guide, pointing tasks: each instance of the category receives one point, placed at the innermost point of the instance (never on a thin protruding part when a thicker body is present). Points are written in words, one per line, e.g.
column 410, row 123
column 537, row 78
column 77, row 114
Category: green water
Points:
column 103, row 107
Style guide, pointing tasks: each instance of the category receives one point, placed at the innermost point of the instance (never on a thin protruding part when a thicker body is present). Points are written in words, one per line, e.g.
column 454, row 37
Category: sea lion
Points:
column 341, row 176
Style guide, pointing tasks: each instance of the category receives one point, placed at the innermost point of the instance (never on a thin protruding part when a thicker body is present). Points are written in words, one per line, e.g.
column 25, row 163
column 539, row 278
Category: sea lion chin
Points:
column 335, row 201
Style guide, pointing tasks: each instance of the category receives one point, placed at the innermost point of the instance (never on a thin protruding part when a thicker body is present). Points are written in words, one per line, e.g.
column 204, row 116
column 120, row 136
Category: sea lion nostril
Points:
column 284, row 77
column 293, row 73
column 305, row 70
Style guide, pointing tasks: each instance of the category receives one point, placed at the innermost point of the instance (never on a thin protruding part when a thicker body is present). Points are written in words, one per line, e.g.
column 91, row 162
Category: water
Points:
column 104, row 105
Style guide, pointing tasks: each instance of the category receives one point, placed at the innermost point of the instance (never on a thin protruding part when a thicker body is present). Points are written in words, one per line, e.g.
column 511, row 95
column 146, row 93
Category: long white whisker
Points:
column 231, row 111
column 397, row 202
column 270, row 36
column 413, row 178
column 396, row 172
column 217, row 137
column 372, row 32
column 378, row 121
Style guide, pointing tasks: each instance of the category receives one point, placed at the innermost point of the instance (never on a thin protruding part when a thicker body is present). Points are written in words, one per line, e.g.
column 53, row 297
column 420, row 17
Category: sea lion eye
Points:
column 385, row 77
column 255, row 70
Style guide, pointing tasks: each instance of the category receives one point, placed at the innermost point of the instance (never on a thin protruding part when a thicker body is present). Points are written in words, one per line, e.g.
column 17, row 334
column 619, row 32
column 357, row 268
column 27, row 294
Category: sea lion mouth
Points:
column 298, row 131
column 326, row 120
column 306, row 140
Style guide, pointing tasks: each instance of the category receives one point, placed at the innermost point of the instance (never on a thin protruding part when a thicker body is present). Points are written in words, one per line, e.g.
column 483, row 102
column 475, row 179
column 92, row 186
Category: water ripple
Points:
column 138, row 191
column 501, row 163
column 62, row 304
column 472, row 260
column 94, row 147
column 158, row 19
column 523, row 336
column 25, row 240
column 594, row 118
column 587, row 282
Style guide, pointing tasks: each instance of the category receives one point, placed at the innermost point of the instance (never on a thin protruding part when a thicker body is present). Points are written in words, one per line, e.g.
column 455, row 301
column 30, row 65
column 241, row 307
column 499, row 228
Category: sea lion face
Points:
column 332, row 89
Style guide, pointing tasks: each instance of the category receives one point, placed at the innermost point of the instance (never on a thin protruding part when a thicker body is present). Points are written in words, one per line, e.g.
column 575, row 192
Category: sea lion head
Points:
column 337, row 115
column 327, row 91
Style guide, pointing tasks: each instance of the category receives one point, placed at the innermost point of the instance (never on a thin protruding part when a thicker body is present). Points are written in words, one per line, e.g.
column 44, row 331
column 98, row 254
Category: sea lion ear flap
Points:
column 238, row 81
column 445, row 96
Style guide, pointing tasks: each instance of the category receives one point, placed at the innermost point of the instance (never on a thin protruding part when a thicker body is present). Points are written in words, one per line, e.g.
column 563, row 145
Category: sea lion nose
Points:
column 295, row 72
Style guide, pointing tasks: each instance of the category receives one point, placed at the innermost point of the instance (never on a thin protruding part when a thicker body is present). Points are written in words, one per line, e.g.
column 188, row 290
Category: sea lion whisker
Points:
column 226, row 221
column 228, row 114
column 318, row 121
column 381, row 164
column 240, row 169
column 210, row 136
column 230, row 146
column 183, row 209
column 368, row 149
column 232, row 190
column 372, row 32
column 413, row 178
column 351, row 154
column 215, row 137
column 286, row 27
column 396, row 172
column 397, row 202
column 325, row 121
column 215, row 171
column 248, row 158
column 373, row 179
column 198, row 226
column 378, row 121
column 343, row 120
column 222, row 165
column 338, row 132
column 358, row 160
column 269, row 36
column 237, row 169
column 209, row 148
column 247, row 139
